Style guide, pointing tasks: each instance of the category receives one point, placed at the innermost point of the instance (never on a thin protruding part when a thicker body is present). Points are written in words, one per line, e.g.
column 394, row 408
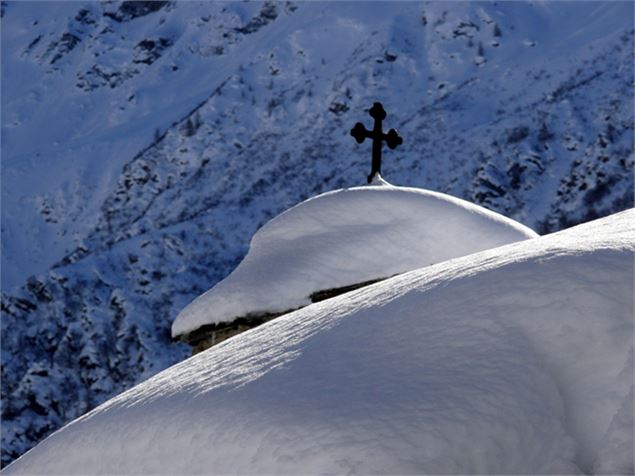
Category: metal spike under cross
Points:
column 359, row 132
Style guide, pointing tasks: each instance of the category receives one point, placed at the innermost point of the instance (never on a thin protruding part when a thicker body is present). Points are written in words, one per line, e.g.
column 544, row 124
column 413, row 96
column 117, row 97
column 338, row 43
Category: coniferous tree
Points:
column 197, row 121
column 188, row 128
column 544, row 134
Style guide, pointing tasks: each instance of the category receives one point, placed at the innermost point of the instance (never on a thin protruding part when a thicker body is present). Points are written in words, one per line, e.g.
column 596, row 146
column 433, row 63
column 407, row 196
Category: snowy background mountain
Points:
column 143, row 143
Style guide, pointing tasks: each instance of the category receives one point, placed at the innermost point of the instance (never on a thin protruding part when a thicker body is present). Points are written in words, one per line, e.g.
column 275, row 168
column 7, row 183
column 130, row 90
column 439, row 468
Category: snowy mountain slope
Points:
column 291, row 96
column 289, row 74
column 111, row 79
column 513, row 360
column 344, row 238
column 143, row 207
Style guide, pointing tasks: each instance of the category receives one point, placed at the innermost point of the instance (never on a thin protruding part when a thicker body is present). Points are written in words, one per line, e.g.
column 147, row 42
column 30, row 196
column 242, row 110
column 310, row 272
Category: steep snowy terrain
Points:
column 516, row 360
column 344, row 238
column 144, row 143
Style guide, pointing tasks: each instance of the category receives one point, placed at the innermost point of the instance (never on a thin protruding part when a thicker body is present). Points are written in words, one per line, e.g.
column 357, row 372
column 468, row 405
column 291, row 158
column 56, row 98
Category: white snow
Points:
column 343, row 238
column 512, row 360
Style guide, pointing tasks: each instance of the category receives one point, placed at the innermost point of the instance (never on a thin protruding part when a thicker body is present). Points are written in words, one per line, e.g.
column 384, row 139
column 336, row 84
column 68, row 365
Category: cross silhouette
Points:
column 359, row 132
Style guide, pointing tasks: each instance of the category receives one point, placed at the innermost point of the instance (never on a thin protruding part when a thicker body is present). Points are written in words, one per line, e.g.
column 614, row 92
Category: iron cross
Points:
column 392, row 139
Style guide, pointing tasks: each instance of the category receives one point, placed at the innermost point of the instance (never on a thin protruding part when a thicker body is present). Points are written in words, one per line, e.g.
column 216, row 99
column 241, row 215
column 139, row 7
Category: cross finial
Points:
column 359, row 132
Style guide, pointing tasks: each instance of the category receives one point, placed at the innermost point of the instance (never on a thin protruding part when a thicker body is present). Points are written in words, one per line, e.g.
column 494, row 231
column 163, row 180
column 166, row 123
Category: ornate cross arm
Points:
column 392, row 138
column 359, row 132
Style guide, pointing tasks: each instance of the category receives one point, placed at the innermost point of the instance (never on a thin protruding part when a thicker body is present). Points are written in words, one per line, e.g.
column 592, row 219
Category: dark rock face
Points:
column 268, row 13
column 58, row 49
column 129, row 10
column 148, row 51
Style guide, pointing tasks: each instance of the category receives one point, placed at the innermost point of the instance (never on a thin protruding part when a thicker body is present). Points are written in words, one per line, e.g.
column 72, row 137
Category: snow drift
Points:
column 513, row 360
column 343, row 238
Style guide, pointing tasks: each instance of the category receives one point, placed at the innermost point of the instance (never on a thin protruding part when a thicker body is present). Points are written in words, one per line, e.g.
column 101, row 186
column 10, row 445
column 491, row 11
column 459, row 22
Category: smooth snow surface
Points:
column 512, row 360
column 347, row 237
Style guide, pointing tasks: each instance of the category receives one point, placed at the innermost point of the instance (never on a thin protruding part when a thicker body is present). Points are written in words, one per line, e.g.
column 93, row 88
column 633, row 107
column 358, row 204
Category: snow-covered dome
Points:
column 343, row 238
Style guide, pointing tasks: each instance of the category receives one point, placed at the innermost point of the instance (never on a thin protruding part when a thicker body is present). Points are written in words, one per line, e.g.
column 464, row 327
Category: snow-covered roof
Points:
column 346, row 237
column 513, row 360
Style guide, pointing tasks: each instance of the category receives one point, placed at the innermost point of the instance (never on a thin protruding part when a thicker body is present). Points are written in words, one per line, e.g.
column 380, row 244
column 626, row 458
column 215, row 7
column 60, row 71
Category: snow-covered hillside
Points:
column 143, row 143
column 343, row 238
column 512, row 360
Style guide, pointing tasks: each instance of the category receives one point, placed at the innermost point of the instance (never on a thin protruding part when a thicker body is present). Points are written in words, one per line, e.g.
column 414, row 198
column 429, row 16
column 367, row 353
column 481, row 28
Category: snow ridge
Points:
column 512, row 360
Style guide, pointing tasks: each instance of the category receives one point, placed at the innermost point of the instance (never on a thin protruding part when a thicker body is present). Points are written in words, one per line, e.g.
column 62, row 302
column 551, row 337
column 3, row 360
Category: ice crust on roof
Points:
column 343, row 238
column 513, row 360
